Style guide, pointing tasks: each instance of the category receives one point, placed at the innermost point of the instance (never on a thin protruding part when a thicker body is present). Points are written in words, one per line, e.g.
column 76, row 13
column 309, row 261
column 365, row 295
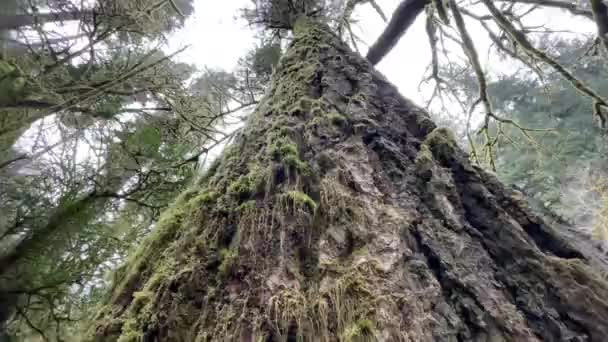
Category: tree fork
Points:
column 342, row 213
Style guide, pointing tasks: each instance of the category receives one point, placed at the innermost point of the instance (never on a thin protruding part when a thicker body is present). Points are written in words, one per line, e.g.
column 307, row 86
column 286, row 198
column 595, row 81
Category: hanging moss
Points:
column 281, row 147
column 424, row 160
column 250, row 184
column 302, row 200
column 204, row 198
column 140, row 299
column 247, row 206
column 229, row 262
column 286, row 151
column 441, row 140
column 131, row 332
column 12, row 84
column 360, row 331
column 336, row 118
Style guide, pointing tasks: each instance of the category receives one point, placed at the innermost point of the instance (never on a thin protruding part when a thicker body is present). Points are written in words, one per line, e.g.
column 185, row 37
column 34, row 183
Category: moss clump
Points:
column 228, row 265
column 283, row 146
column 210, row 172
column 336, row 118
column 300, row 199
column 140, row 299
column 131, row 332
column 441, row 140
column 150, row 249
column 205, row 198
column 12, row 83
column 247, row 206
column 285, row 150
column 249, row 184
column 424, row 160
column 360, row 330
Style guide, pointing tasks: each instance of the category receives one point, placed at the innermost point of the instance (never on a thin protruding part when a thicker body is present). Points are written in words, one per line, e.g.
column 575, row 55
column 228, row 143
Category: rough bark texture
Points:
column 343, row 214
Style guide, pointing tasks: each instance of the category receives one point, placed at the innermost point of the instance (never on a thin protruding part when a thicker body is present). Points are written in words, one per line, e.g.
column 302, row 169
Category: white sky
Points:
column 218, row 39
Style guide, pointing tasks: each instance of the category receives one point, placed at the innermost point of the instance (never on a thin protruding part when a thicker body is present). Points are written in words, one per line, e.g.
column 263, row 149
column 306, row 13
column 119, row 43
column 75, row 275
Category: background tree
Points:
column 559, row 167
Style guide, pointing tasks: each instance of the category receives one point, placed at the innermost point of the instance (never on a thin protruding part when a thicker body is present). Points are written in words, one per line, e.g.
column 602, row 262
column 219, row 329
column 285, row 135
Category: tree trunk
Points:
column 343, row 214
column 16, row 21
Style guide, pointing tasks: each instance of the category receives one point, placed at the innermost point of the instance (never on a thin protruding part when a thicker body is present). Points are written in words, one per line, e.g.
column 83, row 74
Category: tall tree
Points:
column 342, row 213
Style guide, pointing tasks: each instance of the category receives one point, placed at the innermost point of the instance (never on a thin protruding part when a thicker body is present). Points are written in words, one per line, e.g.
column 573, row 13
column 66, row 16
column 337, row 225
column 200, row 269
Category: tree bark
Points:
column 343, row 214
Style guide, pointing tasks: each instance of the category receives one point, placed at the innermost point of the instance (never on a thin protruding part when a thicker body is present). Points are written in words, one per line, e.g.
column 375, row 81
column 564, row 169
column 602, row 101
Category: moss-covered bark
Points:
column 342, row 214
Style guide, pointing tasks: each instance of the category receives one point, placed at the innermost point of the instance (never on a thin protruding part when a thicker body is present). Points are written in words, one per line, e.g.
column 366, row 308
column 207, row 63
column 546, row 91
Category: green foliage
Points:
column 300, row 199
column 361, row 330
column 250, row 184
column 12, row 84
column 337, row 118
column 229, row 262
column 545, row 164
column 285, row 150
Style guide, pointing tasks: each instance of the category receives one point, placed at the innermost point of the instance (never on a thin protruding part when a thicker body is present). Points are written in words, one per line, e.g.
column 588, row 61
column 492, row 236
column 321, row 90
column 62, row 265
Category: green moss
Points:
column 360, row 330
column 247, row 206
column 336, row 118
column 424, row 159
column 285, row 150
column 131, row 332
column 301, row 199
column 205, row 198
column 140, row 299
column 250, row 184
column 282, row 146
column 295, row 163
column 228, row 265
column 210, row 172
column 241, row 187
column 12, row 83
column 441, row 140
column 151, row 248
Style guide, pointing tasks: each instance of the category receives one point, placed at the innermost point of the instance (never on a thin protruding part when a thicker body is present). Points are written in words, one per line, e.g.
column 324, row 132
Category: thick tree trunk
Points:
column 343, row 214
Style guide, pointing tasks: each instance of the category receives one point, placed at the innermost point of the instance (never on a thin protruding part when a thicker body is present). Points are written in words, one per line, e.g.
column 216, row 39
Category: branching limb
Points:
column 600, row 15
column 570, row 6
column 525, row 44
column 401, row 20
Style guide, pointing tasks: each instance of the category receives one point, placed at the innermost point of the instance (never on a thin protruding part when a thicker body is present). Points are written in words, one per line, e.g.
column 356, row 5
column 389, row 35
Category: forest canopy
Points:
column 106, row 126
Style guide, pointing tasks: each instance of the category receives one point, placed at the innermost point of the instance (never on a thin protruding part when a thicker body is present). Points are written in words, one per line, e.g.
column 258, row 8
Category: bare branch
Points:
column 570, row 6
column 525, row 44
column 401, row 20
column 600, row 15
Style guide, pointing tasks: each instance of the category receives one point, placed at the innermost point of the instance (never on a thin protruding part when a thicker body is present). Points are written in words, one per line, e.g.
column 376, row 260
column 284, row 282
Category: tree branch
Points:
column 600, row 15
column 401, row 20
column 570, row 6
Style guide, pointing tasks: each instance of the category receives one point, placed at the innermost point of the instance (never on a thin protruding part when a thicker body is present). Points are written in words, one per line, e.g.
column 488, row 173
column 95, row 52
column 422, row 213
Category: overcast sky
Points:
column 218, row 40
